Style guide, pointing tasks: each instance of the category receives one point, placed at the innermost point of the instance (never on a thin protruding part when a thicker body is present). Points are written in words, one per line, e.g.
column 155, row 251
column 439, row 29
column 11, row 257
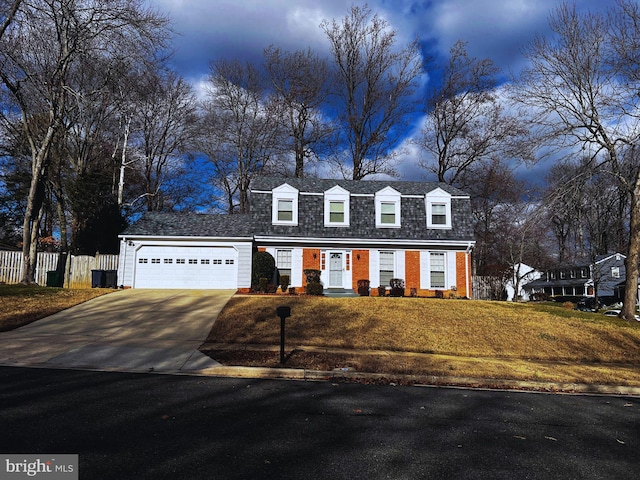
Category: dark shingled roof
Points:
column 362, row 223
column 319, row 185
column 180, row 224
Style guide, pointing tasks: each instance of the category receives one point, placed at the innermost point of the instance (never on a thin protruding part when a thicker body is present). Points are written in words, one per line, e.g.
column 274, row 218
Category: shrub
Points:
column 314, row 288
column 363, row 288
column 382, row 291
column 262, row 284
column 292, row 290
column 264, row 265
column 313, row 275
column 397, row 287
column 284, row 282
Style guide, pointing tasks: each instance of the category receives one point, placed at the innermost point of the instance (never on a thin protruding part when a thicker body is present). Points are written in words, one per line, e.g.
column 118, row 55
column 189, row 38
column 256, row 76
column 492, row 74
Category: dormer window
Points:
column 285, row 205
column 438, row 205
column 285, row 210
column 388, row 208
column 336, row 207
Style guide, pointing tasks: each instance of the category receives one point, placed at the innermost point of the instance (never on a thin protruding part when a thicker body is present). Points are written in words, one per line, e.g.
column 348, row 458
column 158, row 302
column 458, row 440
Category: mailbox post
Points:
column 283, row 311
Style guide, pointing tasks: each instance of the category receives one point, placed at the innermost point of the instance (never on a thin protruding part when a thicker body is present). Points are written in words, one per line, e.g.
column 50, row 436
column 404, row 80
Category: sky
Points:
column 241, row 29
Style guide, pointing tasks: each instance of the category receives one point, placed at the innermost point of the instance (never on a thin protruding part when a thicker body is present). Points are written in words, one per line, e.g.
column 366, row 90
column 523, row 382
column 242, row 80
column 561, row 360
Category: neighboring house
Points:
column 606, row 273
column 526, row 274
column 349, row 230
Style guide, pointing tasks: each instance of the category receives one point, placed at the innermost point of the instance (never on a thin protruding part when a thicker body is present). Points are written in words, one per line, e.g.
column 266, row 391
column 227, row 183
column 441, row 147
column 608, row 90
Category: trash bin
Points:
column 97, row 278
column 111, row 279
column 54, row 278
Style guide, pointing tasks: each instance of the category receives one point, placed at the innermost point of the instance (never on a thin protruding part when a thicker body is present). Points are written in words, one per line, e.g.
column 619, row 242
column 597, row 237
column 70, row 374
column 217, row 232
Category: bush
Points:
column 313, row 275
column 397, row 287
column 363, row 288
column 314, row 288
column 382, row 291
column 262, row 284
column 264, row 266
column 284, row 282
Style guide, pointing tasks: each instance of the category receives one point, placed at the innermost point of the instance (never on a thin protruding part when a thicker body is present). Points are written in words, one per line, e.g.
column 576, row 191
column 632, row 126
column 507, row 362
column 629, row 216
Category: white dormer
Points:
column 387, row 208
column 336, row 207
column 284, row 205
column 438, row 205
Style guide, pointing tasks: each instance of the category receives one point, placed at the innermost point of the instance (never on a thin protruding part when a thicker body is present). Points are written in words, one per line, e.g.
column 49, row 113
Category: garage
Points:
column 187, row 250
column 186, row 267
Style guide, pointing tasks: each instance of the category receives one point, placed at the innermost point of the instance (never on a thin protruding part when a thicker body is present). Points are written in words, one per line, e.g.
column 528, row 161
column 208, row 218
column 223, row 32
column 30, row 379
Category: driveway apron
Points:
column 128, row 330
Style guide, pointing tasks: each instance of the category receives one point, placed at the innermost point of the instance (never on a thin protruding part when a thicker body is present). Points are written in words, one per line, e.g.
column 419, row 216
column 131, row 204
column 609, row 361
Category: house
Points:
column 582, row 279
column 522, row 275
column 349, row 230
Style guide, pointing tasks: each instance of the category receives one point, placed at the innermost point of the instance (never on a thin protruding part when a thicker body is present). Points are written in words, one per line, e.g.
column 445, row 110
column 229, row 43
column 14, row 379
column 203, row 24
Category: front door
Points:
column 335, row 270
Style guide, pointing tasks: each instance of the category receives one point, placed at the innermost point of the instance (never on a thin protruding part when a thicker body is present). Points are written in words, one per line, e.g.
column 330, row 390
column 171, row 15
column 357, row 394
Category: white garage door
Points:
column 186, row 267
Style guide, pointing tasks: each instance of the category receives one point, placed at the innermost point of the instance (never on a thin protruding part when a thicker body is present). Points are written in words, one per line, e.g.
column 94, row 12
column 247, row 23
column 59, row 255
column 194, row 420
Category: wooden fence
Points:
column 77, row 269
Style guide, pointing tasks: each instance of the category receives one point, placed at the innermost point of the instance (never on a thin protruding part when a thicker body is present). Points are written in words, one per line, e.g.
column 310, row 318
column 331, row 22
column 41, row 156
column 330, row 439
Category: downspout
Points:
column 466, row 268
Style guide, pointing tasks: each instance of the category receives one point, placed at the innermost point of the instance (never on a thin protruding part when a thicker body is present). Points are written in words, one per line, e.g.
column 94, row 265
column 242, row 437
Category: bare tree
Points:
column 37, row 52
column 244, row 140
column 465, row 121
column 8, row 10
column 167, row 119
column 300, row 80
column 577, row 99
column 374, row 87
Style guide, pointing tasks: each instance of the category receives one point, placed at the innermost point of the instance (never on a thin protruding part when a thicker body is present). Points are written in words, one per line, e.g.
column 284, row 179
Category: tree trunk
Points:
column 633, row 256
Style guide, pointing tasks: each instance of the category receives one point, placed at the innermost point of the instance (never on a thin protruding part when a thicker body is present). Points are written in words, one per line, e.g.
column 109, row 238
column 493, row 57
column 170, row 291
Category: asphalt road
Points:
column 139, row 426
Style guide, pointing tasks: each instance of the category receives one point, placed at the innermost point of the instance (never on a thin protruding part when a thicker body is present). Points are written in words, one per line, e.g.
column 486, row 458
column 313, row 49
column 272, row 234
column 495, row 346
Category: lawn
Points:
column 442, row 337
column 23, row 304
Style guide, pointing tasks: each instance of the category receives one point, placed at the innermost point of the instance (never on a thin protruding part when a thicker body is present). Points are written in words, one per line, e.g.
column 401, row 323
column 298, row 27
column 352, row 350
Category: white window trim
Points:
column 438, row 197
column 387, row 195
column 284, row 192
column 336, row 194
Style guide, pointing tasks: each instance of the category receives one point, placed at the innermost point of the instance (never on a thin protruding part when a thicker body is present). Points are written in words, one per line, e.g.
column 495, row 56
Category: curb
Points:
column 349, row 376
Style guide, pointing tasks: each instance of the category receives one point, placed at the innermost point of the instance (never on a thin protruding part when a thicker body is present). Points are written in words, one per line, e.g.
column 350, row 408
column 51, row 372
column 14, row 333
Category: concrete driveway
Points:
column 128, row 330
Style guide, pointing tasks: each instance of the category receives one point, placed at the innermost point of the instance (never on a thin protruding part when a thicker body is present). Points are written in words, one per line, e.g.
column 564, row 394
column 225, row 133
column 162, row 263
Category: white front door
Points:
column 335, row 270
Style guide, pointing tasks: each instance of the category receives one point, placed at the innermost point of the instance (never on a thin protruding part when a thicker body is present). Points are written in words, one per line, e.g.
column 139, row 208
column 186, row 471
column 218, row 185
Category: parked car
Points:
column 615, row 312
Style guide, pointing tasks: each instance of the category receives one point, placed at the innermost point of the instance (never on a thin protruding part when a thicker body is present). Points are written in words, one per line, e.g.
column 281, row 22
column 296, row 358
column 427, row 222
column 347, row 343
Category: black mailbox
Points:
column 283, row 311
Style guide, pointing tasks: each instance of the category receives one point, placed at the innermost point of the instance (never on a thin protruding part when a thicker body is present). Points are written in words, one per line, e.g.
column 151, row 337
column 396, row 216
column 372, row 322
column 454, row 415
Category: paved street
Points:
column 126, row 425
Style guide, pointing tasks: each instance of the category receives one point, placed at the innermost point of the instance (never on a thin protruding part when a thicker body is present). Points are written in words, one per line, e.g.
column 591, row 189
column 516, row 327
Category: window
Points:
column 168, row 260
column 143, row 260
column 387, row 208
column 438, row 205
column 387, row 264
column 217, row 261
column 285, row 210
column 572, row 274
column 563, row 274
column 229, row 261
column 285, row 205
column 283, row 262
column 615, row 272
column 204, row 261
column 155, row 260
column 193, row 261
column 336, row 212
column 336, row 207
column 436, row 274
column 180, row 260
column 439, row 214
column 387, row 213
column 584, row 273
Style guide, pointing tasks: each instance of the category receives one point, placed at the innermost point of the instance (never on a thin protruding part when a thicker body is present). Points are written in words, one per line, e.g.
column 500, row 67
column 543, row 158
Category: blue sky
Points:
column 241, row 29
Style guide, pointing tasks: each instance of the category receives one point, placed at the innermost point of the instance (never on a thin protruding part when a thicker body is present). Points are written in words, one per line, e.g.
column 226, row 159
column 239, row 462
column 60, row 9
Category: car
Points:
column 616, row 313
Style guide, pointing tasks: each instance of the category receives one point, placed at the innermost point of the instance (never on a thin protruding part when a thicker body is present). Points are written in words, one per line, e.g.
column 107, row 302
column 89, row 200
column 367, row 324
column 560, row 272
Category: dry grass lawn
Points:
column 456, row 337
column 22, row 304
